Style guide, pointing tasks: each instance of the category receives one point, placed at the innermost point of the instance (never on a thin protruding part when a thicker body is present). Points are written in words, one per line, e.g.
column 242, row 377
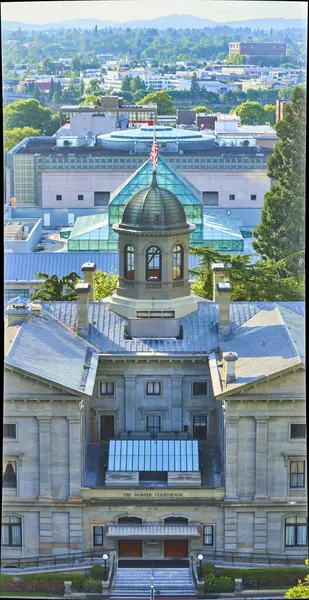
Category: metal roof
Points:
column 43, row 347
column 153, row 530
column 153, row 455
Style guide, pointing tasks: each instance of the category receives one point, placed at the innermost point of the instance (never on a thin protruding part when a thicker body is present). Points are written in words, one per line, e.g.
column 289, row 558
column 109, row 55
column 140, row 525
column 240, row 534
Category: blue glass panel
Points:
column 123, row 461
column 177, row 456
column 171, row 458
column 183, row 460
column 153, row 456
column 195, row 455
column 189, row 456
column 147, row 455
column 165, row 456
column 117, row 455
column 159, row 455
column 141, row 457
column 130, row 455
column 111, row 456
column 135, row 455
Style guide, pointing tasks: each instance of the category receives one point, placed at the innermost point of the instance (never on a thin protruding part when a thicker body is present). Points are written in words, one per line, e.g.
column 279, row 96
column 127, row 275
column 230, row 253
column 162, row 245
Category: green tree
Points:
column 27, row 113
column 52, row 89
column 253, row 95
column 137, row 84
column 37, row 95
column 301, row 590
column 53, row 125
column 250, row 113
column 285, row 93
column 81, row 87
column 270, row 113
column 54, row 289
column 94, row 86
column 47, row 66
column 126, row 84
column 12, row 137
column 75, row 64
column 162, row 100
column 195, row 88
column 201, row 109
column 280, row 233
column 104, row 284
column 90, row 100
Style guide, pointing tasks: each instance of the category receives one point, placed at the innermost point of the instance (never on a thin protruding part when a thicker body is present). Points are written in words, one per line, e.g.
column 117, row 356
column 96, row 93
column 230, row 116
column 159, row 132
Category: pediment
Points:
column 17, row 385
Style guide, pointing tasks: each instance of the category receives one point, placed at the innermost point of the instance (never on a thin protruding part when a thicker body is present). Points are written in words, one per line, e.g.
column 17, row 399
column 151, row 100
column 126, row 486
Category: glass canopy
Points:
column 153, row 455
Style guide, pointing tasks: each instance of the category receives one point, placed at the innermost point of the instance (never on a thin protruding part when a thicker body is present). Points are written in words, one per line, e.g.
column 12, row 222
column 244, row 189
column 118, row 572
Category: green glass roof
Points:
column 90, row 227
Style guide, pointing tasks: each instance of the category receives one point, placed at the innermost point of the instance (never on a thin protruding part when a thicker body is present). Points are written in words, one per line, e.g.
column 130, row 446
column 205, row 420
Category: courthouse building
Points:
column 154, row 424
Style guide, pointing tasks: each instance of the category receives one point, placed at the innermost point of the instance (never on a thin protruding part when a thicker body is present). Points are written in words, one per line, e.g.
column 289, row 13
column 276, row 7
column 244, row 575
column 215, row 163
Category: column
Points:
column 231, row 458
column 74, row 458
column 261, row 459
column 176, row 416
column 45, row 458
column 130, row 403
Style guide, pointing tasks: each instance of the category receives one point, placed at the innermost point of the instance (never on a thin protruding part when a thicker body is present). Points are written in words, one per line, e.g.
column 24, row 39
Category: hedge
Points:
column 221, row 584
column 265, row 578
column 76, row 578
column 5, row 579
column 97, row 572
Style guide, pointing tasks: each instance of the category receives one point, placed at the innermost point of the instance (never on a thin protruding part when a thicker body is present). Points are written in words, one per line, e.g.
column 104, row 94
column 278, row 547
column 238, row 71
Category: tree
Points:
column 94, row 86
column 253, row 95
column 52, row 89
column 285, row 93
column 250, row 113
column 104, row 284
column 126, row 84
column 301, row 590
column 162, row 100
column 195, row 88
column 12, row 137
column 54, row 124
column 75, row 64
column 47, row 66
column 37, row 93
column 270, row 113
column 90, row 100
column 280, row 233
column 201, row 109
column 27, row 113
column 53, row 288
column 137, row 84
column 81, row 87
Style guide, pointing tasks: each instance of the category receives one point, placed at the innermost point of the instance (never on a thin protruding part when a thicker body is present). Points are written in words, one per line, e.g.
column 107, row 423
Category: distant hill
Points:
column 174, row 21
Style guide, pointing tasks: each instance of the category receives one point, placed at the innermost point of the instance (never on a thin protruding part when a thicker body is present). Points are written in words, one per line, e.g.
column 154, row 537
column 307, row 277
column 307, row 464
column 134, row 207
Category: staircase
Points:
column 135, row 583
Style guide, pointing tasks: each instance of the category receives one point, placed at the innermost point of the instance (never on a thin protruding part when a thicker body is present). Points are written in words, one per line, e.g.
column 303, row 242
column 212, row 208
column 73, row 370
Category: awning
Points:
column 153, row 455
column 153, row 530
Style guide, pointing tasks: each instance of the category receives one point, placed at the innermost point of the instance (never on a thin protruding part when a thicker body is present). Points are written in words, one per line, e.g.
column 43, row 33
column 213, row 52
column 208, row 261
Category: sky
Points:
column 127, row 10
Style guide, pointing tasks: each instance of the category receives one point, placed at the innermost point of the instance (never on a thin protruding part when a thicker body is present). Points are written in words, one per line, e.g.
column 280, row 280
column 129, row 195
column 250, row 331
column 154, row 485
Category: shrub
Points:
column 209, row 569
column 225, row 584
column 211, row 583
column 266, row 577
column 97, row 572
column 5, row 579
column 92, row 585
column 57, row 578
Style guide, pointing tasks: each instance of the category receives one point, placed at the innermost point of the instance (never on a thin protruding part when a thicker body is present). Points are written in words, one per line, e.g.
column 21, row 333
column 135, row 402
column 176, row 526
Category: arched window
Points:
column 129, row 268
column 176, row 520
column 296, row 531
column 11, row 531
column 178, row 262
column 153, row 264
column 130, row 520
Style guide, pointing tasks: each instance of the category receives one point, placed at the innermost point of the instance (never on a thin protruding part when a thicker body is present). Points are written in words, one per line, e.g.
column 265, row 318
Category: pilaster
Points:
column 45, row 492
column 177, row 403
column 76, row 532
column 260, row 532
column 74, row 458
column 231, row 458
column 130, row 409
column 261, row 459
column 46, row 532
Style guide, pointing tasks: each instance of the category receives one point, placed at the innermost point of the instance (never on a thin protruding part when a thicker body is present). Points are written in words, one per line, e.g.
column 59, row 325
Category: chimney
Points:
column 230, row 359
column 88, row 270
column 223, row 296
column 17, row 311
column 218, row 270
column 83, row 292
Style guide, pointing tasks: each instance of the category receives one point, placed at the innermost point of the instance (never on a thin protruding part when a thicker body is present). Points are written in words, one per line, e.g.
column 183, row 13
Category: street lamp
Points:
column 200, row 558
column 105, row 558
column 151, row 592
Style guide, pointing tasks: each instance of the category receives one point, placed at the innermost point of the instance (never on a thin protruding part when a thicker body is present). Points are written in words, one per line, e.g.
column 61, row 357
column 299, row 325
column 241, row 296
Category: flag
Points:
column 154, row 154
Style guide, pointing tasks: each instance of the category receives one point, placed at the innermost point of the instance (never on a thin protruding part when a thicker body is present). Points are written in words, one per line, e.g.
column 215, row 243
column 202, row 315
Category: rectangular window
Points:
column 295, row 531
column 210, row 198
column 58, row 197
column 231, row 196
column 253, row 196
column 298, row 431
column 98, row 535
column 80, row 197
column 200, row 427
column 208, row 535
column 297, row 473
column 11, row 531
column 199, row 388
column 9, row 431
column 153, row 388
column 9, row 474
column 153, row 425
column 107, row 388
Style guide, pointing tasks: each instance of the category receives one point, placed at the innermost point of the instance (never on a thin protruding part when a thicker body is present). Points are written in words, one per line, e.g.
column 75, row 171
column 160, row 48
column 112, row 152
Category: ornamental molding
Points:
column 152, row 411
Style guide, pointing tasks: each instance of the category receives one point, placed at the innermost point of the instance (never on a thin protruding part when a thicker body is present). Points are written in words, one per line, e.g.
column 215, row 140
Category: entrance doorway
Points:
column 107, row 427
column 130, row 548
column 176, row 548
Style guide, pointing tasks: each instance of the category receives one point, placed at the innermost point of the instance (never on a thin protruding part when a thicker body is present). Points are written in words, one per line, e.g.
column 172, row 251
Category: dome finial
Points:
column 154, row 182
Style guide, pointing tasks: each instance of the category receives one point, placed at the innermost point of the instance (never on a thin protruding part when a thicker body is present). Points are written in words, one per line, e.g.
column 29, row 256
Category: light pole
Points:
column 151, row 592
column 200, row 558
column 105, row 557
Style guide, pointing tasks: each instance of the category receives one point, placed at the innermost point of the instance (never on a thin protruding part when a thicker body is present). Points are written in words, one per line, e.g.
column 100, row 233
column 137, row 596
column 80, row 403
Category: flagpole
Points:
column 153, row 143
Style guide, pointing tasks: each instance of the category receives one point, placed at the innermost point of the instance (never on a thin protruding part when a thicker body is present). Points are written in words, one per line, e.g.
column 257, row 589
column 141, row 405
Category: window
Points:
column 153, row 425
column 295, row 531
column 210, row 198
column 80, row 197
column 130, row 520
column 98, row 535
column 200, row 427
column 9, row 474
column 297, row 473
column 208, row 535
column 199, row 388
column 298, row 431
column 11, row 531
column 253, row 196
column 129, row 269
column 107, row 388
column 58, row 198
column 9, row 431
column 153, row 264
column 153, row 388
column 232, row 197
column 178, row 262
column 182, row 520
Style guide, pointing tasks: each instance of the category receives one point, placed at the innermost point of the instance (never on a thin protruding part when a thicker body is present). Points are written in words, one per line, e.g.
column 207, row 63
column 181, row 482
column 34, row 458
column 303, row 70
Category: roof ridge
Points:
column 287, row 330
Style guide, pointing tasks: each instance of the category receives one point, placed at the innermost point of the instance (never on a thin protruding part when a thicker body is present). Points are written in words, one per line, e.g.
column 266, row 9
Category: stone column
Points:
column 74, row 458
column 231, row 458
column 45, row 458
column 130, row 404
column 176, row 403
column 261, row 460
